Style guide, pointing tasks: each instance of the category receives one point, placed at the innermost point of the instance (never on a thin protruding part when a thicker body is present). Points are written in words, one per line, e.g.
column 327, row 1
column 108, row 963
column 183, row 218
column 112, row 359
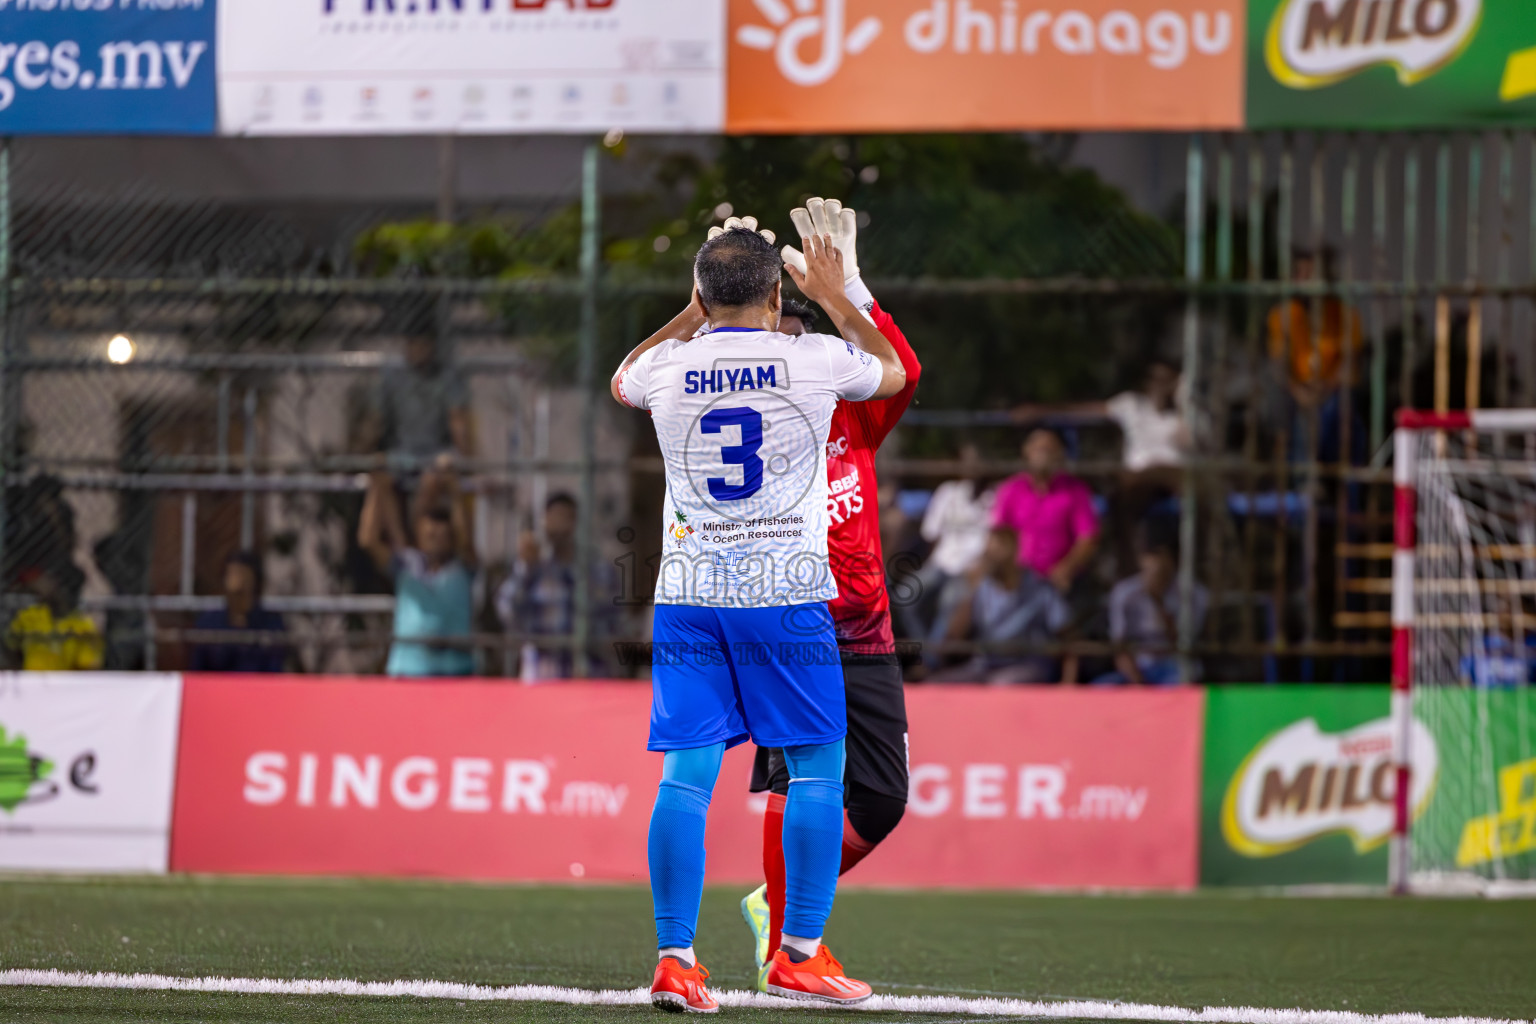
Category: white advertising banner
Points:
column 329, row 67
column 87, row 769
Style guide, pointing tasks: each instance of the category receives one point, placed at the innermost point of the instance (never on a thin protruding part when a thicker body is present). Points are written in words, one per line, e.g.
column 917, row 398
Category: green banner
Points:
column 1391, row 63
column 1297, row 785
column 1483, row 818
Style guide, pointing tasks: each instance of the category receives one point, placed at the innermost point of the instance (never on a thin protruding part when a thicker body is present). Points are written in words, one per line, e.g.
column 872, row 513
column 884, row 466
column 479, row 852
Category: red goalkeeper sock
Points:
column 855, row 847
column 773, row 867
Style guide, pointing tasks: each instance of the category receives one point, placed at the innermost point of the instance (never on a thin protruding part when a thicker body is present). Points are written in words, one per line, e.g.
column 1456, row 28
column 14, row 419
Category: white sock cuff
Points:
column 683, row 953
column 806, row 947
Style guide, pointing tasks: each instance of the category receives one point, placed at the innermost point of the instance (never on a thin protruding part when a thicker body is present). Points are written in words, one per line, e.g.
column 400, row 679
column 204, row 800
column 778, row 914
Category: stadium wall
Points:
column 1011, row 788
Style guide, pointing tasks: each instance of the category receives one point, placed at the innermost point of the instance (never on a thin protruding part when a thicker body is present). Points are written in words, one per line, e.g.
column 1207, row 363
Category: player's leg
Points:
column 763, row 907
column 812, row 842
column 695, row 716
column 795, row 700
column 876, row 778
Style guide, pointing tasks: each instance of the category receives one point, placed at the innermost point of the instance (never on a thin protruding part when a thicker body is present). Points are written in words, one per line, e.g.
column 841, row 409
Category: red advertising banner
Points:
column 1011, row 788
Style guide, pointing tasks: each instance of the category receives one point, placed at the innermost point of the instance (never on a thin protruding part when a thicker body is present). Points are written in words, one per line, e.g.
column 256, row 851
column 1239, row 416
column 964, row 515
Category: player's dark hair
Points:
column 735, row 269
column 437, row 514
column 802, row 311
column 560, row 498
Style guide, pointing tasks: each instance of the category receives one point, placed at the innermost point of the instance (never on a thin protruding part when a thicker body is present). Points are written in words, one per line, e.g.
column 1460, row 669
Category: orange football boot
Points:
column 678, row 988
column 820, row 978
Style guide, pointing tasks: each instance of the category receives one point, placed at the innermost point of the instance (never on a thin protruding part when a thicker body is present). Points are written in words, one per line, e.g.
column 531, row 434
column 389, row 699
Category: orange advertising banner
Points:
column 983, row 65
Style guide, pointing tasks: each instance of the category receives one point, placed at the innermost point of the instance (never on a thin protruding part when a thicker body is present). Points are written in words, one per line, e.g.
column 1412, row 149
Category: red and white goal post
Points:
column 1464, row 651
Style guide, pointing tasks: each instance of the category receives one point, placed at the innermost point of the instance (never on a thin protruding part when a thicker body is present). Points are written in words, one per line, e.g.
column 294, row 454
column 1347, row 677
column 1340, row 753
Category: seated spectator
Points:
column 1051, row 511
column 242, row 612
column 1006, row 603
column 422, row 407
column 1144, row 622
column 433, row 577
column 956, row 523
column 54, row 635
column 539, row 597
column 1157, row 443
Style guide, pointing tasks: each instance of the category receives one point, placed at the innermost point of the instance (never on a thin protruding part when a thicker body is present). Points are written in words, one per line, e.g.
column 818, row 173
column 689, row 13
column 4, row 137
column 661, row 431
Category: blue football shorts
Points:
column 728, row 674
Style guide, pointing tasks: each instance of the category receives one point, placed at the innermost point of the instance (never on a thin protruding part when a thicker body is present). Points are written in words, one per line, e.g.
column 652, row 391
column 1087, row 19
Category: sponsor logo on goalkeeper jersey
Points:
column 1312, row 43
column 1302, row 783
column 1509, row 831
column 991, row 63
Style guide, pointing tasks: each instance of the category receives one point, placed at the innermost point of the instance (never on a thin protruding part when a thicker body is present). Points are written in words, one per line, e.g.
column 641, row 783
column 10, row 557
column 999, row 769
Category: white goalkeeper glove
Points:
column 829, row 217
column 749, row 223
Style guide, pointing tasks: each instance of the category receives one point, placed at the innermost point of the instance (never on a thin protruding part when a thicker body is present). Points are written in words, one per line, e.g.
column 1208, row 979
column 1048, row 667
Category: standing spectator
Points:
column 539, row 597
column 1007, row 604
column 956, row 523
column 434, row 578
column 422, row 407
column 1051, row 511
column 1156, row 445
column 242, row 612
column 1309, row 354
column 1144, row 621
column 54, row 635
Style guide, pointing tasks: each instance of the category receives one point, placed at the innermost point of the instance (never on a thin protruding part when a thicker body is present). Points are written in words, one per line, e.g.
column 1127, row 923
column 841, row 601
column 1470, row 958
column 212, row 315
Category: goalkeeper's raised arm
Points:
column 822, row 283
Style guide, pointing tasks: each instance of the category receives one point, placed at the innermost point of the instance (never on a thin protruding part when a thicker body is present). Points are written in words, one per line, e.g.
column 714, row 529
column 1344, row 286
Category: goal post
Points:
column 1464, row 650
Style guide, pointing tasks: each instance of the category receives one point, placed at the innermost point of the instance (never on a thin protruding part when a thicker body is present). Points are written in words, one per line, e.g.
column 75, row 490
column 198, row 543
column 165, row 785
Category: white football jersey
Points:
column 742, row 417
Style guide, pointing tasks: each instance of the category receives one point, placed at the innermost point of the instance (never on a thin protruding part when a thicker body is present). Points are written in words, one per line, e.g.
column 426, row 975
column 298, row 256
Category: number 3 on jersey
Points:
column 744, row 455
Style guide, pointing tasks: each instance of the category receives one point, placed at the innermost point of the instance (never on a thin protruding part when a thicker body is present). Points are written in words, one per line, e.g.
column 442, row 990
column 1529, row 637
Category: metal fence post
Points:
column 591, row 197
column 8, row 408
column 1194, row 270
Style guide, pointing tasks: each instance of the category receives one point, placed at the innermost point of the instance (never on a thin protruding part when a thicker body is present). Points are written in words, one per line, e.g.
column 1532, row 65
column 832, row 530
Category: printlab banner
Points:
column 1011, row 788
column 87, row 761
column 1390, row 63
column 375, row 67
column 1299, row 784
column 984, row 65
column 107, row 67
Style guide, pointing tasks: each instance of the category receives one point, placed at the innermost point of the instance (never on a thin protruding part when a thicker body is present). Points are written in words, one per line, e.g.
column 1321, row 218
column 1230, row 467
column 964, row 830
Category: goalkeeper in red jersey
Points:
column 875, row 778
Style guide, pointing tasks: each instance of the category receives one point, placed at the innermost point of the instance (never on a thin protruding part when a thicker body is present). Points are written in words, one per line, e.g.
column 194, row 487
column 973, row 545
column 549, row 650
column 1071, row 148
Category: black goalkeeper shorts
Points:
column 877, row 731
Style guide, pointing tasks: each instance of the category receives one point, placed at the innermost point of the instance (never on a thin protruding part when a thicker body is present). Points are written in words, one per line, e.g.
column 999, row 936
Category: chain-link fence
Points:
column 197, row 399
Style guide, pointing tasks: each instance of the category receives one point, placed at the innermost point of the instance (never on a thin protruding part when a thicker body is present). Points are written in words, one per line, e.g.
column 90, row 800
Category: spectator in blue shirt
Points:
column 434, row 577
column 242, row 613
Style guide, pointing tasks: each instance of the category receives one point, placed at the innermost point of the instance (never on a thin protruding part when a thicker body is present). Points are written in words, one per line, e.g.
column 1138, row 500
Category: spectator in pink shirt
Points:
column 1051, row 511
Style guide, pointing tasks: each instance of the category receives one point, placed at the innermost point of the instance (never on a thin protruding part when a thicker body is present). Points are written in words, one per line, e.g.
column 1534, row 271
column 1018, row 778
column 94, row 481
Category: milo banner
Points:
column 1483, row 818
column 1299, row 785
column 1390, row 63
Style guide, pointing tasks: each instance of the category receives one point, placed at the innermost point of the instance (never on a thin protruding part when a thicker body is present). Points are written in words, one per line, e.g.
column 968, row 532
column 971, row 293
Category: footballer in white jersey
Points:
column 742, row 417
column 743, row 644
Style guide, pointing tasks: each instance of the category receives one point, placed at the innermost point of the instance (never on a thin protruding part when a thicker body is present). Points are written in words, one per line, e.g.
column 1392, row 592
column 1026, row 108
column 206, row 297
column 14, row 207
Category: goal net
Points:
column 1464, row 649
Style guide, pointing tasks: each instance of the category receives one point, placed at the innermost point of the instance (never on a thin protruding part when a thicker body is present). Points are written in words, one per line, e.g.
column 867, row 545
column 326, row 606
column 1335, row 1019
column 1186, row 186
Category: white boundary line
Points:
column 1079, row 1009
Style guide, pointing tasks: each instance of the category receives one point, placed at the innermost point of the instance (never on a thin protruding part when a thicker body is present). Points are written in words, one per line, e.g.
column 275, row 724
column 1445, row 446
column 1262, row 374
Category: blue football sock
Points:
column 813, row 836
column 676, row 843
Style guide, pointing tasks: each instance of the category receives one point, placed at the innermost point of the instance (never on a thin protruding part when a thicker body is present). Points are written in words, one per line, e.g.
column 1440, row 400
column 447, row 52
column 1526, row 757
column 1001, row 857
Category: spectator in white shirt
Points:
column 956, row 523
column 1157, row 444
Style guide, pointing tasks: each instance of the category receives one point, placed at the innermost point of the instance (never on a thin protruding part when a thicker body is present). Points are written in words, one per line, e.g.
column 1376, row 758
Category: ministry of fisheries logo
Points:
column 1313, row 43
column 786, row 36
column 680, row 529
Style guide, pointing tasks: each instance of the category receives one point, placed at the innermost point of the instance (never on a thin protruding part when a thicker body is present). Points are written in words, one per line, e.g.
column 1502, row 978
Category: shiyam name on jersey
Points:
column 742, row 420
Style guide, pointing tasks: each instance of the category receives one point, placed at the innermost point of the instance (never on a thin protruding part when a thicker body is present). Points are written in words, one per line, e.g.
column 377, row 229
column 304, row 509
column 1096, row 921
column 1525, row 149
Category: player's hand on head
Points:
column 827, row 217
column 747, row 223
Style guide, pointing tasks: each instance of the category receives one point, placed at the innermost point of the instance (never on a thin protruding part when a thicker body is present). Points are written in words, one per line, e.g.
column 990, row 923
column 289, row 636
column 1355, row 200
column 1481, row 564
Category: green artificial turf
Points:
column 1440, row 957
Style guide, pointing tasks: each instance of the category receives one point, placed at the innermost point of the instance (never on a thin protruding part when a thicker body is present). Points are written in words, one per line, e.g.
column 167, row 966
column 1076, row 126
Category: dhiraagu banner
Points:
column 1391, row 63
column 1298, row 785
